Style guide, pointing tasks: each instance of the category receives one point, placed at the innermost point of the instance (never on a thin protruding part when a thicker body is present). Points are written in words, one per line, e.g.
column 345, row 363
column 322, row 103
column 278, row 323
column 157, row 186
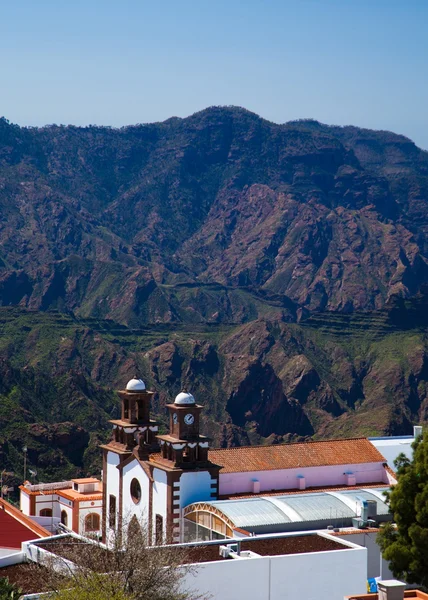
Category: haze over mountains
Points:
column 214, row 236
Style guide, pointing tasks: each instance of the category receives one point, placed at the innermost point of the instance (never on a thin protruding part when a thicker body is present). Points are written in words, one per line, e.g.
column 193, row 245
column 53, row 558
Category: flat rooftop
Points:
column 73, row 548
column 30, row 577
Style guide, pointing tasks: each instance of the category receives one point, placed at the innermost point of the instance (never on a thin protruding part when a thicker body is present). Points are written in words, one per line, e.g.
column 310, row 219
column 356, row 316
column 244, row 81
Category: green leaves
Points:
column 405, row 544
column 9, row 591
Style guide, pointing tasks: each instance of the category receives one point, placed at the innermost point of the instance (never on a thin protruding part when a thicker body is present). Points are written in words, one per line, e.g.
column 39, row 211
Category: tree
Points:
column 404, row 543
column 9, row 591
column 128, row 569
column 95, row 586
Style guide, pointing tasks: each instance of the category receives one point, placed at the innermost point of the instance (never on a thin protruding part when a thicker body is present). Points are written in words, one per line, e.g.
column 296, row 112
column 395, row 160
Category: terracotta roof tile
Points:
column 81, row 497
column 292, row 456
column 354, row 531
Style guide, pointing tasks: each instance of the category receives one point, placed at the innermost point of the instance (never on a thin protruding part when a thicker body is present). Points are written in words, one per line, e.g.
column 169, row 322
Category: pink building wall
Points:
column 284, row 479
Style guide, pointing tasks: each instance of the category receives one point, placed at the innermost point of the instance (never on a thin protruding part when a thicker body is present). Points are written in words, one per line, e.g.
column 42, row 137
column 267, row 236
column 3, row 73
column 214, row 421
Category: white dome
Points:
column 184, row 398
column 136, row 385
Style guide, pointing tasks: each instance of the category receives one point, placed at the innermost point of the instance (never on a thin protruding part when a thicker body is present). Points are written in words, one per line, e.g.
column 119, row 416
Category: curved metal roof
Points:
column 320, row 506
column 250, row 512
column 371, row 494
column 323, row 508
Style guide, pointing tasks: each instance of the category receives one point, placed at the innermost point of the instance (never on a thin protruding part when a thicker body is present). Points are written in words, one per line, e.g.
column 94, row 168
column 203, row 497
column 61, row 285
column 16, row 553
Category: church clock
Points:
column 189, row 419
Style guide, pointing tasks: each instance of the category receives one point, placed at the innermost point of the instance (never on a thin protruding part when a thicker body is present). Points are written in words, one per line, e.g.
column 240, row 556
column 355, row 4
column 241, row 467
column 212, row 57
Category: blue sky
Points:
column 116, row 62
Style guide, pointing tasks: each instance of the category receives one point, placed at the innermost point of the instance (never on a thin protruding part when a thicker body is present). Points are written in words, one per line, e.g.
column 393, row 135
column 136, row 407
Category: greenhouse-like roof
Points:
column 281, row 512
column 252, row 512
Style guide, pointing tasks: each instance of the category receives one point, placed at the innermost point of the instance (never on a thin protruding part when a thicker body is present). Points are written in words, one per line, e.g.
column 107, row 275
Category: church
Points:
column 175, row 480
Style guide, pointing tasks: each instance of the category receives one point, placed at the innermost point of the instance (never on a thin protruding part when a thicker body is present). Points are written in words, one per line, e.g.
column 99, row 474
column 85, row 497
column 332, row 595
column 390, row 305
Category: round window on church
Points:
column 135, row 490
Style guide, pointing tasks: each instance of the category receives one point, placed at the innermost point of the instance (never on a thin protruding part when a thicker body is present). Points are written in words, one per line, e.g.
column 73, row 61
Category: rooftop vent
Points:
column 391, row 589
column 417, row 431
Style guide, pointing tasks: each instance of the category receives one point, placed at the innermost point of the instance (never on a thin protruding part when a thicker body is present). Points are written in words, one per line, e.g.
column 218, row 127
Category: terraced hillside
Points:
column 266, row 381
column 220, row 217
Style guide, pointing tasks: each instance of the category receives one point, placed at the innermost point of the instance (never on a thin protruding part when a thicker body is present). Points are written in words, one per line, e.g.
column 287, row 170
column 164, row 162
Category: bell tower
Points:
column 183, row 457
column 184, row 446
column 135, row 429
column 134, row 438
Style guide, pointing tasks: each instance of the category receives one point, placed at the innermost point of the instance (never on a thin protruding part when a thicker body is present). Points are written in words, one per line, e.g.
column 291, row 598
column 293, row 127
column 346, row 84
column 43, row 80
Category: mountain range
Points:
column 278, row 271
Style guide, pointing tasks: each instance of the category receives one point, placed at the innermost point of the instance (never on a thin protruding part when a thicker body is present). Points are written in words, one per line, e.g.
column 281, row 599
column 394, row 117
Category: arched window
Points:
column 112, row 512
column 64, row 518
column 92, row 522
column 46, row 512
column 126, row 408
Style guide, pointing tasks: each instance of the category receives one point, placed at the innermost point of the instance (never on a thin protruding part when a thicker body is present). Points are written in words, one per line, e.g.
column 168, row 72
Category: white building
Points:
column 77, row 504
column 156, row 478
column 392, row 446
column 314, row 566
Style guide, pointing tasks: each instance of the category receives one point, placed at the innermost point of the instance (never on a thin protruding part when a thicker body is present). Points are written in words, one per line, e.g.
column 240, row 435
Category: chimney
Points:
column 417, row 431
column 390, row 589
column 301, row 482
column 351, row 479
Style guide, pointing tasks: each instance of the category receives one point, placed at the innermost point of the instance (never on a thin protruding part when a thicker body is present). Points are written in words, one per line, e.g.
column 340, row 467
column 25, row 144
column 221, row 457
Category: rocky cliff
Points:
column 266, row 381
column 276, row 270
column 191, row 220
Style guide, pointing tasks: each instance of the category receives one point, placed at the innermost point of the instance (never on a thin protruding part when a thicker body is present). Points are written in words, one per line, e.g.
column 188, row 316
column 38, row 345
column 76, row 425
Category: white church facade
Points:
column 150, row 476
column 157, row 478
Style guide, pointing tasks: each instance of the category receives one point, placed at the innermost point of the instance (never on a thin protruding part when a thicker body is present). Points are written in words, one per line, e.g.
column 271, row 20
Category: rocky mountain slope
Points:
column 191, row 220
column 267, row 381
column 277, row 271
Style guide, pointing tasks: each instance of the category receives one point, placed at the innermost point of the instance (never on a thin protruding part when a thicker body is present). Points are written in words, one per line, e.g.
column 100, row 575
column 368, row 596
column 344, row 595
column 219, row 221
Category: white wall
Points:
column 368, row 540
column 195, row 487
column 112, row 474
column 24, row 503
column 246, row 579
column 140, row 510
column 112, row 487
column 10, row 557
column 85, row 508
column 160, row 491
column 391, row 447
column 281, row 479
column 319, row 575
column 49, row 523
column 69, row 510
column 4, row 552
column 313, row 576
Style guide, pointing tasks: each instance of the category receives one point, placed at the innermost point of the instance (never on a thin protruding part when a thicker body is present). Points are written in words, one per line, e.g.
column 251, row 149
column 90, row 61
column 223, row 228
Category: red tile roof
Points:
column 15, row 527
column 79, row 496
column 291, row 456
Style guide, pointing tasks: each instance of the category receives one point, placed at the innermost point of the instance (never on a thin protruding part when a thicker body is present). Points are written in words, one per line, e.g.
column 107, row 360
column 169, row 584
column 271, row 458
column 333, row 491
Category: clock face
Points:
column 175, row 418
column 188, row 419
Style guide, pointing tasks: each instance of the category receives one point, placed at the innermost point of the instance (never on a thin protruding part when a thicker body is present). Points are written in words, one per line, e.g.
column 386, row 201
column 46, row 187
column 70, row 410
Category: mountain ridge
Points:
column 278, row 271
column 221, row 196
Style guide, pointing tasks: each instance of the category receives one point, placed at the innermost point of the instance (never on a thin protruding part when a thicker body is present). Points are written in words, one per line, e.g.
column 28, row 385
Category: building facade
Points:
column 153, row 479
column 77, row 504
